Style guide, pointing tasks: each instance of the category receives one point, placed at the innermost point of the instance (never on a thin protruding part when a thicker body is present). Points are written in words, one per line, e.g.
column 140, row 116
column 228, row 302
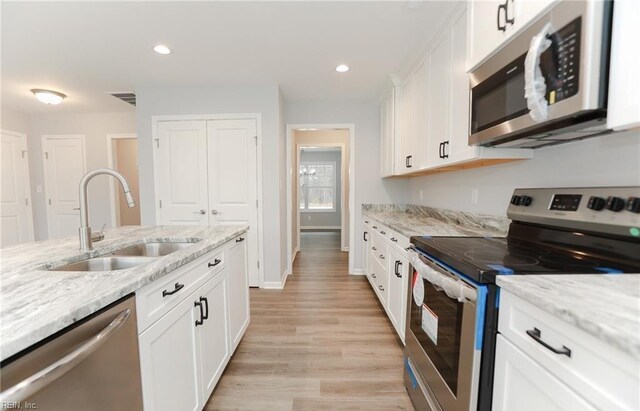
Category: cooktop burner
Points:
column 482, row 258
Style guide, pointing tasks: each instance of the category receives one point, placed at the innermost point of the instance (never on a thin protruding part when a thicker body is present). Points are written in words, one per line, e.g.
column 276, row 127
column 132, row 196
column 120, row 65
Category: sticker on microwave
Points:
column 418, row 289
column 430, row 323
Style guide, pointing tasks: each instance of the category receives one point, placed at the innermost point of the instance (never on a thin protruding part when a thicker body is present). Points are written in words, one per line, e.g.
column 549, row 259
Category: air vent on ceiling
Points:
column 126, row 96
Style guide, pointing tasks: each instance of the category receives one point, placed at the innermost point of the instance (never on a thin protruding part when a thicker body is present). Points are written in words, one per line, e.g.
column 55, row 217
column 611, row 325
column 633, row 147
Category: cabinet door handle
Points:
column 201, row 320
column 381, row 288
column 206, row 307
column 444, row 149
column 536, row 335
column 364, row 236
column 176, row 288
column 503, row 7
column 200, row 212
column 215, row 262
column 440, row 150
column 409, row 158
column 506, row 13
column 239, row 240
column 397, row 268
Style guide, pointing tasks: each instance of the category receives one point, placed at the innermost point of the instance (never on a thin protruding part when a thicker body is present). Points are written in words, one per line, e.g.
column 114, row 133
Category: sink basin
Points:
column 106, row 264
column 152, row 249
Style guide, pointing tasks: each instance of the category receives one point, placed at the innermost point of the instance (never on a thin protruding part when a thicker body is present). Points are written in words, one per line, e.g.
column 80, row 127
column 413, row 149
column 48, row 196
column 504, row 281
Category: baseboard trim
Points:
column 276, row 285
column 345, row 249
column 320, row 227
column 357, row 271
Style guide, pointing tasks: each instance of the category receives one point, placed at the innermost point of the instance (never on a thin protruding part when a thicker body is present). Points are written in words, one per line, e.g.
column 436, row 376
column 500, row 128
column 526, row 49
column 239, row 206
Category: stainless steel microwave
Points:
column 575, row 70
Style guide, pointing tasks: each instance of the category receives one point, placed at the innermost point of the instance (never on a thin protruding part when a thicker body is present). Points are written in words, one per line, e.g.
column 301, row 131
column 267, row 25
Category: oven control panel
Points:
column 612, row 210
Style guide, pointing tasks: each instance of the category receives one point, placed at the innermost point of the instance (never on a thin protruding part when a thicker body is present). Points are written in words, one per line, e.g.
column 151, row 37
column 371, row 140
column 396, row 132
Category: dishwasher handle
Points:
column 29, row 386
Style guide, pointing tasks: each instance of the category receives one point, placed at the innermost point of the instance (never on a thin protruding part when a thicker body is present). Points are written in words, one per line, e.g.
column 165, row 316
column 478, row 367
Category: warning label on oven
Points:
column 430, row 323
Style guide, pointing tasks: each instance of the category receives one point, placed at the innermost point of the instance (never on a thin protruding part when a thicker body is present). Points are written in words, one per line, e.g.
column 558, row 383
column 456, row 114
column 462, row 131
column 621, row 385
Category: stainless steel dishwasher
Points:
column 91, row 365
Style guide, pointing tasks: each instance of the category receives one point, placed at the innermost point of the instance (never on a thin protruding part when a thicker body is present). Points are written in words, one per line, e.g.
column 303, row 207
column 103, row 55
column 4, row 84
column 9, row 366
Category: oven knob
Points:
column 596, row 203
column 615, row 204
column 633, row 204
column 515, row 200
column 526, row 201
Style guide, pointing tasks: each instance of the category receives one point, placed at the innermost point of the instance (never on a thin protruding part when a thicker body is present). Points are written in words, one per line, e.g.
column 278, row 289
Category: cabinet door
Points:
column 398, row 283
column 420, row 135
column 404, row 135
column 484, row 33
column 387, row 132
column 520, row 383
column 213, row 334
column 168, row 361
column 439, row 97
column 238, row 291
column 624, row 81
column 366, row 240
column 182, row 172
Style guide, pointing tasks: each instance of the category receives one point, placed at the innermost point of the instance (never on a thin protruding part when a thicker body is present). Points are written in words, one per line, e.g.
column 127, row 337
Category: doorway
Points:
column 122, row 156
column 320, row 184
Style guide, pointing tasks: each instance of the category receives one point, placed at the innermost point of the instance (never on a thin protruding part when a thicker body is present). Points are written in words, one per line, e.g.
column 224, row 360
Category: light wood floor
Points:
column 322, row 343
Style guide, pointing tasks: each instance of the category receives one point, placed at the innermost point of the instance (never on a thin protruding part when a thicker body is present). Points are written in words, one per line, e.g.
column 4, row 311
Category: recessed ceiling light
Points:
column 342, row 68
column 48, row 96
column 162, row 49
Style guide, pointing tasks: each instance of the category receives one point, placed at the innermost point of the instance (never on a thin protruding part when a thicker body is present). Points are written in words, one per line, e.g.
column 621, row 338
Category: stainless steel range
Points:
column 453, row 301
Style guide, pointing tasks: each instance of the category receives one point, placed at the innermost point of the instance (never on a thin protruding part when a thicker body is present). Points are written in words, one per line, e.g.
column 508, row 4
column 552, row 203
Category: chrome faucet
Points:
column 85, row 231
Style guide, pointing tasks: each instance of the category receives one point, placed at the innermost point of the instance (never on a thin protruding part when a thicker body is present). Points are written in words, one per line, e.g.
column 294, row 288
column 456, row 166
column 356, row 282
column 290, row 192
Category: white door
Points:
column 182, row 172
column 16, row 225
column 233, row 194
column 521, row 383
column 213, row 333
column 168, row 360
column 64, row 166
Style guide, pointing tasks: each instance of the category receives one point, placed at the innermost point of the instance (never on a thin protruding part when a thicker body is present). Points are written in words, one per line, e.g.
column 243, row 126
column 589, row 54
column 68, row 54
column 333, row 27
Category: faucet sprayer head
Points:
column 130, row 201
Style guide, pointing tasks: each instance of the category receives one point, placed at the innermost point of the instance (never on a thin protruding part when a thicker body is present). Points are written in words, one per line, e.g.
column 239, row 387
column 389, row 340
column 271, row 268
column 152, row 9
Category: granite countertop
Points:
column 36, row 303
column 412, row 220
column 605, row 306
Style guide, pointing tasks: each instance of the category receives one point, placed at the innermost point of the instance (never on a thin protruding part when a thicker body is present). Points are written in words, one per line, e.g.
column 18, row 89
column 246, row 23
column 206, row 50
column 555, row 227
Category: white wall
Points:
column 95, row 128
column 227, row 99
column 14, row 121
column 330, row 219
column 365, row 114
column 612, row 160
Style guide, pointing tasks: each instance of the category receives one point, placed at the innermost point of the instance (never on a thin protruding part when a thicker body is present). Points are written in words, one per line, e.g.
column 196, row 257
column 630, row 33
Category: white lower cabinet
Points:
column 386, row 267
column 523, row 384
column 184, row 352
column 169, row 361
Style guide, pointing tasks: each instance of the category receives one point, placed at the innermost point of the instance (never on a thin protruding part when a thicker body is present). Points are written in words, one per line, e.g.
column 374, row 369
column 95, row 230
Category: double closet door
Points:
column 207, row 175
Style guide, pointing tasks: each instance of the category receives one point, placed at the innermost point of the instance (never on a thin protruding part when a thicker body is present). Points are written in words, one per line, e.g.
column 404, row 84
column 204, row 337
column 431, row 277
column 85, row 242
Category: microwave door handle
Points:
column 535, row 87
column 30, row 385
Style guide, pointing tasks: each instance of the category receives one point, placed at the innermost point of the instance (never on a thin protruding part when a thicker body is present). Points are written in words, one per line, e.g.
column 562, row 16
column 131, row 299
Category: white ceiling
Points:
column 85, row 49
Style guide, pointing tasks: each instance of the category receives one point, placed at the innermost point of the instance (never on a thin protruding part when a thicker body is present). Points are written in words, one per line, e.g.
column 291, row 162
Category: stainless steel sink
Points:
column 152, row 249
column 106, row 264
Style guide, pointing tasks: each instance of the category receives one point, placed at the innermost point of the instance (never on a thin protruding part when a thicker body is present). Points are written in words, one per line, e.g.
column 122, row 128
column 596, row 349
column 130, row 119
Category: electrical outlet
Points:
column 421, row 194
column 474, row 196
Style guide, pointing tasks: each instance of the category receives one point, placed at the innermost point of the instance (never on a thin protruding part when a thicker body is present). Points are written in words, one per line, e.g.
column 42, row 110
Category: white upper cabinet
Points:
column 492, row 22
column 624, row 81
column 387, row 132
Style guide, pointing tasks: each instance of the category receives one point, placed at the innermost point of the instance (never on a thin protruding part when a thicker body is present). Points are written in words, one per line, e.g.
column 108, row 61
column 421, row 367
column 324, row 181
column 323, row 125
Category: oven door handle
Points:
column 453, row 286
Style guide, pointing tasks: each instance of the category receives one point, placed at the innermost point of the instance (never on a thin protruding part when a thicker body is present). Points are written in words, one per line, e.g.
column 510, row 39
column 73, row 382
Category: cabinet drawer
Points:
column 379, row 274
column 378, row 248
column 399, row 241
column 157, row 298
column 605, row 376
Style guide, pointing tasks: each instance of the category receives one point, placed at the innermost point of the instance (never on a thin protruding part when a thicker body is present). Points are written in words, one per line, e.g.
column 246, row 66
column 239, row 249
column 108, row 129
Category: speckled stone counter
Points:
column 605, row 306
column 35, row 303
column 410, row 220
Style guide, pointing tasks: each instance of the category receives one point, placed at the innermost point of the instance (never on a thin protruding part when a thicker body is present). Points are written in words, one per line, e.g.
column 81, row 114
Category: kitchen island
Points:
column 37, row 302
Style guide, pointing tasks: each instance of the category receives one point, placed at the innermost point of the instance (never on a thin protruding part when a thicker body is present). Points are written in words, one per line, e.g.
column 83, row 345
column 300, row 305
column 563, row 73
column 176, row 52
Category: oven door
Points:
column 574, row 68
column 441, row 337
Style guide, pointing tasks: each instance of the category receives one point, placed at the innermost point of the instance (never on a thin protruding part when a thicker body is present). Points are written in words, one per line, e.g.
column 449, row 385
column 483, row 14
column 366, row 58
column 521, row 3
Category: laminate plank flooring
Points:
column 322, row 343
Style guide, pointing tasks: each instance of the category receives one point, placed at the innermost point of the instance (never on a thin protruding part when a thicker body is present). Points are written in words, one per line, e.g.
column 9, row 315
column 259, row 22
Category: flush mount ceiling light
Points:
column 48, row 96
column 162, row 49
column 342, row 68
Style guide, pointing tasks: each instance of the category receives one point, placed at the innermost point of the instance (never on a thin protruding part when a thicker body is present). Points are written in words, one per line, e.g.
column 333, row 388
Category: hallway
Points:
column 322, row 343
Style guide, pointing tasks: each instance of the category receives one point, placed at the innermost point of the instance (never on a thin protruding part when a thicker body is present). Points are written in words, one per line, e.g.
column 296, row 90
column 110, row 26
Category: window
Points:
column 318, row 186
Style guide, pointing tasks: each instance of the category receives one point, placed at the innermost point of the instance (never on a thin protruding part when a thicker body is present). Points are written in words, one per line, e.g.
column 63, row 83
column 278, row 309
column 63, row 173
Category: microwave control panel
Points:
column 560, row 63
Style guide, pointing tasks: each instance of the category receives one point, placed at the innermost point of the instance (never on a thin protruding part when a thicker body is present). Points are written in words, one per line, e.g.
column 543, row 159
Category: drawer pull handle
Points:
column 373, row 275
column 373, row 248
column 177, row 288
column 381, row 288
column 382, row 256
column 239, row 240
column 375, row 227
column 383, row 233
column 395, row 240
column 215, row 262
column 535, row 334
